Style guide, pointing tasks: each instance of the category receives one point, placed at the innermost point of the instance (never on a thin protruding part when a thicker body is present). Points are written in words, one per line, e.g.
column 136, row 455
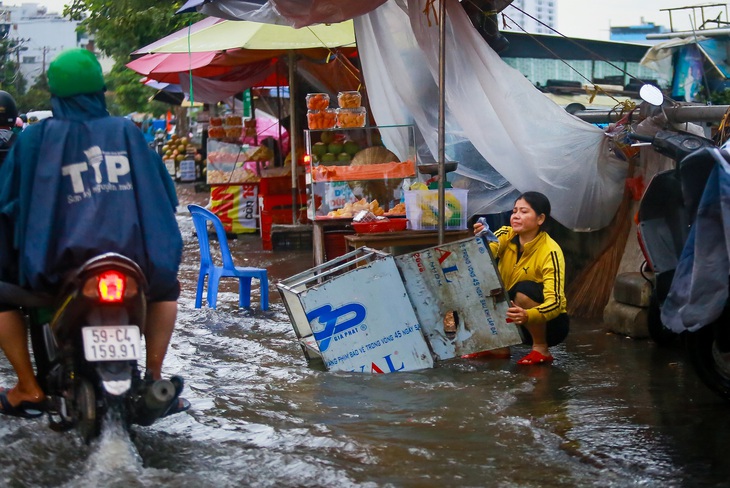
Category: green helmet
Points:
column 73, row 72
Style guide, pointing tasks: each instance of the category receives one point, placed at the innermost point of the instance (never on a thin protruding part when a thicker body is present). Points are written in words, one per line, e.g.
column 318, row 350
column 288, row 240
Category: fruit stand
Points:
column 351, row 171
column 182, row 160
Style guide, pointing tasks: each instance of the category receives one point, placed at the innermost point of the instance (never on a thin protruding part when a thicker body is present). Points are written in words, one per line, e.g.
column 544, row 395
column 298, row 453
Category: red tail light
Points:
column 111, row 287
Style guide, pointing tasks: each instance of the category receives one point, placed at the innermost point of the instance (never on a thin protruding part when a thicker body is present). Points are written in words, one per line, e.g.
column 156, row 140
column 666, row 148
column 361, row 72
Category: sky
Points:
column 590, row 19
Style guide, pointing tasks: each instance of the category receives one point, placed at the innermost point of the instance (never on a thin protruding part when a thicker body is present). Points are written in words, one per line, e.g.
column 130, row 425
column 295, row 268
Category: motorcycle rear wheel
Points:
column 89, row 423
column 709, row 352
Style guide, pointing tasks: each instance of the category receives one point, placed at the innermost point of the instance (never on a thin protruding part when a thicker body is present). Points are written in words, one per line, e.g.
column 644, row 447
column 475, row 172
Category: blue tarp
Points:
column 699, row 289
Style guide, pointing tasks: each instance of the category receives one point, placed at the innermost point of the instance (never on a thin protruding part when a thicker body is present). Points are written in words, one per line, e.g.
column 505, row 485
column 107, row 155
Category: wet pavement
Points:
column 611, row 412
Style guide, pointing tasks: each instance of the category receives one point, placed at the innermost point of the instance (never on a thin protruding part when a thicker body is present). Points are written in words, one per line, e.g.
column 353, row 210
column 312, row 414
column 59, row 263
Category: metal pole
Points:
column 442, row 118
column 293, row 135
column 678, row 114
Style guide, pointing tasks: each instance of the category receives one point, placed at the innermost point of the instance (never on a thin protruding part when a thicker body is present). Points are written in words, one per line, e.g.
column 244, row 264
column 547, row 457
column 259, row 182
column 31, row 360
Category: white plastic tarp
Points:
column 529, row 140
column 505, row 134
column 297, row 13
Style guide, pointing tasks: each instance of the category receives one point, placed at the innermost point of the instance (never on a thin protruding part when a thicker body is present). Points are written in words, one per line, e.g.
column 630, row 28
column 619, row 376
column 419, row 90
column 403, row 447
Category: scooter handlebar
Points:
column 641, row 137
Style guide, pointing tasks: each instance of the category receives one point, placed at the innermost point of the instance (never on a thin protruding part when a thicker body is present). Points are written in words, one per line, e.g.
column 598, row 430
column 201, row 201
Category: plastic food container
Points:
column 349, row 99
column 351, row 117
column 422, row 209
column 321, row 119
column 318, row 101
column 216, row 132
column 234, row 131
column 234, row 120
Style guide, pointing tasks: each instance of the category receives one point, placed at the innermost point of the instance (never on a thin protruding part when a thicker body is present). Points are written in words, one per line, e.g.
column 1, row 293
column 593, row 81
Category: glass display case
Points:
column 363, row 168
column 233, row 163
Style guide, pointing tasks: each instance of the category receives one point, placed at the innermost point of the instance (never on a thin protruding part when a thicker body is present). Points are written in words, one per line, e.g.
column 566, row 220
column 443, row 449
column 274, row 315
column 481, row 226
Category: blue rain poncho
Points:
column 80, row 184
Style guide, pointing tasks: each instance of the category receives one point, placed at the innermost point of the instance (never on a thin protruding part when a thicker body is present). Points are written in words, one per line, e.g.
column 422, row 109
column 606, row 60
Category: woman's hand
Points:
column 478, row 228
column 516, row 314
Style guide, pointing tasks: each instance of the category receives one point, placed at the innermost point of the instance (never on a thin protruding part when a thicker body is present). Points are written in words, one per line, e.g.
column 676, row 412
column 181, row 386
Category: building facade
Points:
column 637, row 33
column 535, row 16
column 38, row 36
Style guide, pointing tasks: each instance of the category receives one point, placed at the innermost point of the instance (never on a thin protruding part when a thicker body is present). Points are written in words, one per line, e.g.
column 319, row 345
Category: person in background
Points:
column 73, row 186
column 8, row 117
column 532, row 268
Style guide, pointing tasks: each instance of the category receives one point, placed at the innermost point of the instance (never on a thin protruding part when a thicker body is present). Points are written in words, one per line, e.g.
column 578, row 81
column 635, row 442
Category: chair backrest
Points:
column 201, row 217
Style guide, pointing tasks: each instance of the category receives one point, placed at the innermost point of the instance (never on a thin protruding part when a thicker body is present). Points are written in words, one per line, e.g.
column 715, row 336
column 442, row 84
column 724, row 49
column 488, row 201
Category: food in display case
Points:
column 321, row 119
column 233, row 131
column 216, row 121
column 216, row 132
column 350, row 209
column 228, row 162
column 351, row 167
column 399, row 210
column 349, row 99
column 318, row 101
column 351, row 117
column 234, row 120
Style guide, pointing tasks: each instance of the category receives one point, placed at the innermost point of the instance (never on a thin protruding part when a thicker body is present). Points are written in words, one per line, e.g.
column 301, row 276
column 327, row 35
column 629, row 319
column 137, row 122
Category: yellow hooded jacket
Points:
column 542, row 262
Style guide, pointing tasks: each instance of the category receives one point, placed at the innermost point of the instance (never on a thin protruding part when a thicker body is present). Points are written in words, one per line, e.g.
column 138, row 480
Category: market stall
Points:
column 224, row 58
column 365, row 182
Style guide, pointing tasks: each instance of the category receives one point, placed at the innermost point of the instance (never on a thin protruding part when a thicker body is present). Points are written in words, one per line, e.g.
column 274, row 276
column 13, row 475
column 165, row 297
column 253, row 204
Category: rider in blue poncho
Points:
column 74, row 186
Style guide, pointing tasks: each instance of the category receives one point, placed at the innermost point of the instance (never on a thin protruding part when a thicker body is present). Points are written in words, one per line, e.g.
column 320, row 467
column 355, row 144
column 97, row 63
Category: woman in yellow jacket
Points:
column 532, row 268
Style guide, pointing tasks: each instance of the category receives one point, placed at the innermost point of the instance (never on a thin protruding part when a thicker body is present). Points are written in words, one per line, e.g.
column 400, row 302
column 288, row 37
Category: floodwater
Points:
column 611, row 412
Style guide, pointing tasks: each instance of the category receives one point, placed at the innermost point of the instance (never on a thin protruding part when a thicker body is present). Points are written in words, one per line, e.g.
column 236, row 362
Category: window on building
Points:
column 29, row 60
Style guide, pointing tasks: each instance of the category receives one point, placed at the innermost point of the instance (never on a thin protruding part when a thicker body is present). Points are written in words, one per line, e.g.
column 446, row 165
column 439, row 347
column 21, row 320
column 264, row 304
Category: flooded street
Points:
column 611, row 412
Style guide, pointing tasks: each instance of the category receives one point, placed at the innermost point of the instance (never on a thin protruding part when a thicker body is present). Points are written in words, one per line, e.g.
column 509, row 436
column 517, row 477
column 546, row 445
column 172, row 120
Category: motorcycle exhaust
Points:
column 154, row 401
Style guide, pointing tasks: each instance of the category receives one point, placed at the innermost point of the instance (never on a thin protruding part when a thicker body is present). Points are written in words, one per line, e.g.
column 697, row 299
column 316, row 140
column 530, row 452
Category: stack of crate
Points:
column 275, row 205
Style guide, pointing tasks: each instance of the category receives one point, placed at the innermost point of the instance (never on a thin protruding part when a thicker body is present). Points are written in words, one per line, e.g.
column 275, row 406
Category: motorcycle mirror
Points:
column 651, row 95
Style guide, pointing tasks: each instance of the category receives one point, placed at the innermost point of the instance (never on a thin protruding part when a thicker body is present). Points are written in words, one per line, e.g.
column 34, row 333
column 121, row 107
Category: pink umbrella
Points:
column 170, row 63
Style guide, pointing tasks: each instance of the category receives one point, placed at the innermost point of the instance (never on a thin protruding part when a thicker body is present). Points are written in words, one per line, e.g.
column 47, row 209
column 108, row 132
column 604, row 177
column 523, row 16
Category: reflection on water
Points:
column 611, row 412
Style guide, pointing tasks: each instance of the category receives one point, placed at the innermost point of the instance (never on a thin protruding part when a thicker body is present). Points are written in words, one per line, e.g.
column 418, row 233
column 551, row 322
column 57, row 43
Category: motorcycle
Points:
column 667, row 213
column 86, row 343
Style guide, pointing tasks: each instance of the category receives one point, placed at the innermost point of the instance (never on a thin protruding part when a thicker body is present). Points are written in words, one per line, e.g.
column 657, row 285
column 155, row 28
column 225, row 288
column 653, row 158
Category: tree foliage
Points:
column 126, row 94
column 38, row 97
column 119, row 28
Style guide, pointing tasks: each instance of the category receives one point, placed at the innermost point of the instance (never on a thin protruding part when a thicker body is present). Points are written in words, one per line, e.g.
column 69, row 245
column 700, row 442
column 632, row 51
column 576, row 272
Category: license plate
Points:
column 111, row 343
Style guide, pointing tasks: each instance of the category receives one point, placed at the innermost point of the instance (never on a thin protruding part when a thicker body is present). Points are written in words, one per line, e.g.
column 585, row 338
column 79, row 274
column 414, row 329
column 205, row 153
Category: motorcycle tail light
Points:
column 110, row 287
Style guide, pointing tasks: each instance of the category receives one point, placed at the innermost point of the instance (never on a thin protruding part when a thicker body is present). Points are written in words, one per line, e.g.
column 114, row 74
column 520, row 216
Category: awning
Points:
column 228, row 34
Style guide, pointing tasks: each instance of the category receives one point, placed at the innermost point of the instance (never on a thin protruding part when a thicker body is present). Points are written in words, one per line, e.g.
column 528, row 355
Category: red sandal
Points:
column 535, row 357
column 487, row 355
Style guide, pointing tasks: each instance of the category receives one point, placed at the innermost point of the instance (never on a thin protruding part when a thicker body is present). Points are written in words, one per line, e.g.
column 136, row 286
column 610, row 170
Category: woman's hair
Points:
column 539, row 203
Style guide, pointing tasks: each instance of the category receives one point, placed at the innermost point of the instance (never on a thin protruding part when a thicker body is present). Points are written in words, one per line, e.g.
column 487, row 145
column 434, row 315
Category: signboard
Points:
column 688, row 74
column 187, row 170
column 458, row 277
column 362, row 321
column 235, row 205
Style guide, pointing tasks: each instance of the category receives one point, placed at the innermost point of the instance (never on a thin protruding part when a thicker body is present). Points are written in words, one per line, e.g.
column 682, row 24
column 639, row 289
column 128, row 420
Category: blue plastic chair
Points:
column 201, row 217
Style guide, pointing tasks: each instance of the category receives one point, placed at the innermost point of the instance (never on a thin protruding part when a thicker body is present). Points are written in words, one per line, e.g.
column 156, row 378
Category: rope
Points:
column 427, row 12
column 334, row 55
